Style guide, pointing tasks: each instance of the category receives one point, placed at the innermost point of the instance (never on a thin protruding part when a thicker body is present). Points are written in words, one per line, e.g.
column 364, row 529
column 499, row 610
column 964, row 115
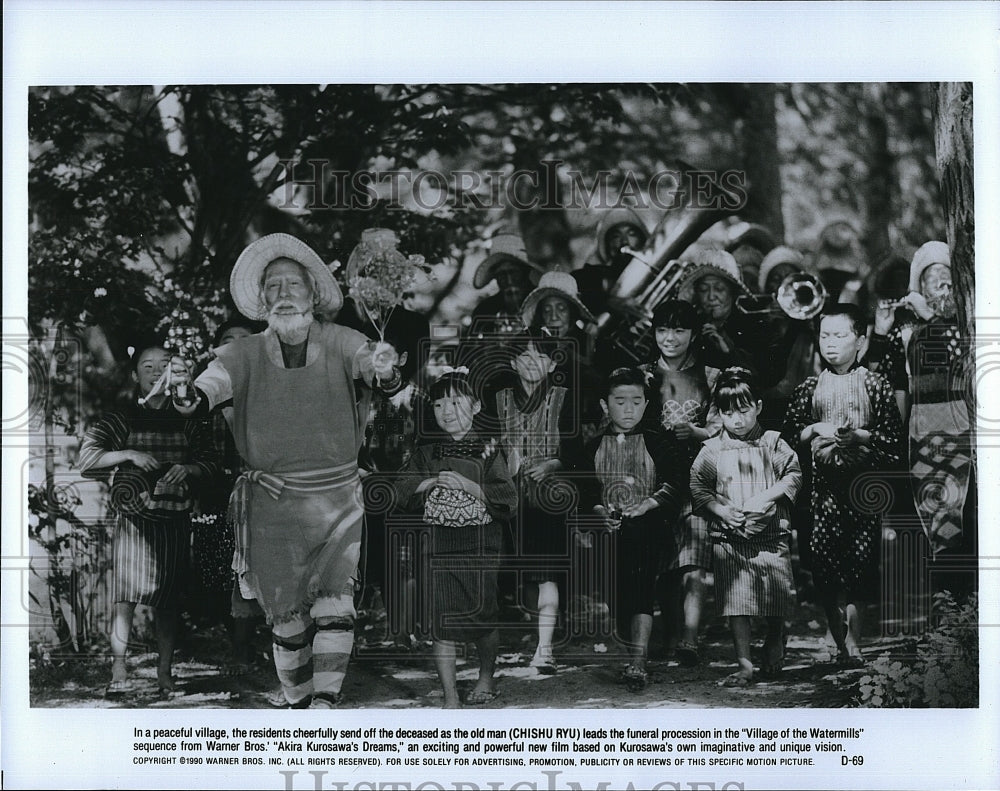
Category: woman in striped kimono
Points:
column 745, row 481
column 154, row 452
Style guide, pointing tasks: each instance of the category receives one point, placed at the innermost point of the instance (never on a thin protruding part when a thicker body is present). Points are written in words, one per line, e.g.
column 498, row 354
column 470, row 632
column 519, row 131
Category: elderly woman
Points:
column 728, row 337
column 555, row 309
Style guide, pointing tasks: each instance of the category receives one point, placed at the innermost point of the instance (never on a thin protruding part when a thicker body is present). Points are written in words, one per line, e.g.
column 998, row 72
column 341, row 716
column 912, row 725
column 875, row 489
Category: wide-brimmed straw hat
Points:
column 245, row 285
column 712, row 262
column 928, row 254
column 554, row 284
column 622, row 215
column 504, row 247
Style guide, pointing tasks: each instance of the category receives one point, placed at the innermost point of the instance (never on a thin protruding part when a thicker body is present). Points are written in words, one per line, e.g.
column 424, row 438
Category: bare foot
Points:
column 119, row 673
column 485, row 687
column 451, row 704
column 851, row 636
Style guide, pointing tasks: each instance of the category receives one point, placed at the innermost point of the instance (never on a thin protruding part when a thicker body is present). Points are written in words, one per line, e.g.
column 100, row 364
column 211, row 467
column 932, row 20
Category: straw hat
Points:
column 554, row 284
column 712, row 262
column 244, row 282
column 504, row 247
column 622, row 215
column 777, row 257
column 928, row 254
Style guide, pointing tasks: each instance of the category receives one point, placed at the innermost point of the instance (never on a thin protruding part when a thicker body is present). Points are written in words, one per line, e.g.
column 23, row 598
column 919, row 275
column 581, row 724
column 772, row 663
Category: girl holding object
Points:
column 464, row 489
column 153, row 452
column 745, row 481
column 848, row 418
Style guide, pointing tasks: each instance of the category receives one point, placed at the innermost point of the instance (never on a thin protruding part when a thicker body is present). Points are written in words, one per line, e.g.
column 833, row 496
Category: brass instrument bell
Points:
column 801, row 296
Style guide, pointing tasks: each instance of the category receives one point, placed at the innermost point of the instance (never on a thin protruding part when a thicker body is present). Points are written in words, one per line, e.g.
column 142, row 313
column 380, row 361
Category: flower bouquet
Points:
column 379, row 275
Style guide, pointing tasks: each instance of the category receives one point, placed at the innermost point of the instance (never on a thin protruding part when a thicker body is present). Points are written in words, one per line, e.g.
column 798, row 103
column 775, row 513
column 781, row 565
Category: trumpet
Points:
column 800, row 296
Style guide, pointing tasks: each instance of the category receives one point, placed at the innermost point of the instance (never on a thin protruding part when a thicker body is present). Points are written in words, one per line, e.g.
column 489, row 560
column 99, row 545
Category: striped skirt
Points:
column 463, row 565
column 754, row 578
column 150, row 559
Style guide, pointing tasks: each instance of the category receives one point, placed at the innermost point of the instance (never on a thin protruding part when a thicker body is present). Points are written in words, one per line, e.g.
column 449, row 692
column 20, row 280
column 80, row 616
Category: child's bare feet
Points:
column 120, row 683
column 119, row 672
column 482, row 693
column 742, row 677
column 165, row 681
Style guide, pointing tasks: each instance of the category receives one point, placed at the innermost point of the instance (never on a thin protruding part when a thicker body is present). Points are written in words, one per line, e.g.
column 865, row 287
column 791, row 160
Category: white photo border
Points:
column 184, row 42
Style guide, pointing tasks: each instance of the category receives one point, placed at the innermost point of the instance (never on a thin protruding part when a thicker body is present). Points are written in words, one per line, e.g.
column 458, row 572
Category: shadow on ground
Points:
column 384, row 676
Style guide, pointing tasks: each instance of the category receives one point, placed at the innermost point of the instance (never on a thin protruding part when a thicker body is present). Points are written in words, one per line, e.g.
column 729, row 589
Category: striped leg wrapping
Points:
column 333, row 642
column 293, row 659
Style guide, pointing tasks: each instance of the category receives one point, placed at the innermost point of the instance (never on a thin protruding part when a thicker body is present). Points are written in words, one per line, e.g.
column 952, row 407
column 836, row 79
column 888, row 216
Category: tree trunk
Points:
column 541, row 217
column 63, row 621
column 953, row 144
column 880, row 176
column 761, row 160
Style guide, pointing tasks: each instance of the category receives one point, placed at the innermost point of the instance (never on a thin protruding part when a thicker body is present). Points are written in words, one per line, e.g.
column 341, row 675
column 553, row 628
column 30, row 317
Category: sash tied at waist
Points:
column 274, row 485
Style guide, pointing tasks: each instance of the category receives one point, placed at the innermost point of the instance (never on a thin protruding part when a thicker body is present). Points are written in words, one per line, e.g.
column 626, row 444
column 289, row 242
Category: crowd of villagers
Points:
column 325, row 460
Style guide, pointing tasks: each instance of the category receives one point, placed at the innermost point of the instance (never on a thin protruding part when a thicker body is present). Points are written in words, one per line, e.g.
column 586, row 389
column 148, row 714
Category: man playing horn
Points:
column 940, row 424
column 301, row 392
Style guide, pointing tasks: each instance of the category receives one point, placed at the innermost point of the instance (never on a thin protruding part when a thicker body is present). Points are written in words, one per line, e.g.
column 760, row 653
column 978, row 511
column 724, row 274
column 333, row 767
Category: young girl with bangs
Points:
column 463, row 488
column 744, row 481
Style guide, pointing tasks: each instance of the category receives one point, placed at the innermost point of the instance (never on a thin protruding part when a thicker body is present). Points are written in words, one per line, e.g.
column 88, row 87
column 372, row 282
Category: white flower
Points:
column 100, row 291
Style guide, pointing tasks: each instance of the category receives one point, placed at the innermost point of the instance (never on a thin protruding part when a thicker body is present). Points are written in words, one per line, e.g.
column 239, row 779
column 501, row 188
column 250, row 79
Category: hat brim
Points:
column 244, row 281
column 686, row 290
column 485, row 271
column 531, row 302
column 621, row 215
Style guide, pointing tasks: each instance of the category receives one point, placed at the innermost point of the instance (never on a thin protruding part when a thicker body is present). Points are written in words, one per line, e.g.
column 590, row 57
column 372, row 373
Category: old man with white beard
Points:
column 301, row 392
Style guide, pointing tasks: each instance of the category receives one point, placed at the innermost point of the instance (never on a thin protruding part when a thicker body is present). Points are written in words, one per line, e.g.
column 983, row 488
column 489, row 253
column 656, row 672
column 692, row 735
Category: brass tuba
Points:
column 652, row 276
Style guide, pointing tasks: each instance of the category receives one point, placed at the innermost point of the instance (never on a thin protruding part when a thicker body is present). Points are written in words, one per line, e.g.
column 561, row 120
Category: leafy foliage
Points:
column 945, row 673
column 77, row 560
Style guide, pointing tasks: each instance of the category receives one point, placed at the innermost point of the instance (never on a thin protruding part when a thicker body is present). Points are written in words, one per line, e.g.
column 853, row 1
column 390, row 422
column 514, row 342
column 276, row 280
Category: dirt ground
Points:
column 382, row 676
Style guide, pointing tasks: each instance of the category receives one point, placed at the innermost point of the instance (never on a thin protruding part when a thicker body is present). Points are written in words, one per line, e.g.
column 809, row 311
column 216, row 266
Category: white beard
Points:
column 291, row 328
